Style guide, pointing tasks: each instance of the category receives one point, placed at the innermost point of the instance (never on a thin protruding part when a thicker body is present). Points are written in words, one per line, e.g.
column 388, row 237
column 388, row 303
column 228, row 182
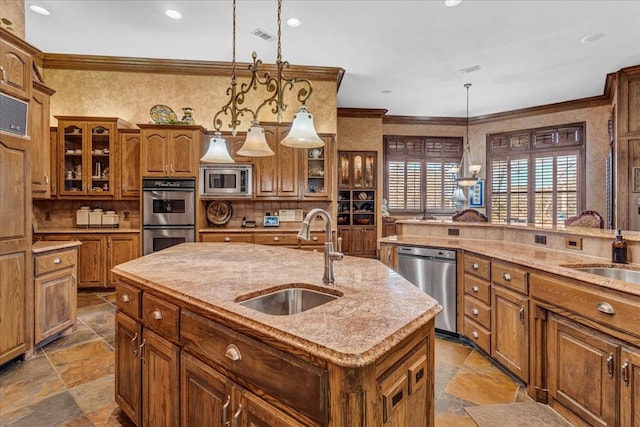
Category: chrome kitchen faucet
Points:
column 330, row 254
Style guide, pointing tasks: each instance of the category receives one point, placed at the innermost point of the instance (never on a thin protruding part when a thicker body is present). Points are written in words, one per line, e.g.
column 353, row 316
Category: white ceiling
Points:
column 530, row 52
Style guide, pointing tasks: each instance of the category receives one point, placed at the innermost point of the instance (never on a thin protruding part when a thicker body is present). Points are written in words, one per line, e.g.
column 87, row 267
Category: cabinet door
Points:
column 582, row 373
column 256, row 412
column 160, row 376
column 205, row 395
column 266, row 168
column 128, row 366
column 363, row 241
column 53, row 159
column 99, row 154
column 155, row 149
column 40, row 148
column 509, row 335
column 630, row 387
column 121, row 248
column 17, row 68
column 55, row 308
column 346, row 233
column 91, row 259
column 12, row 285
column 389, row 255
column 130, row 178
column 184, row 146
column 316, row 176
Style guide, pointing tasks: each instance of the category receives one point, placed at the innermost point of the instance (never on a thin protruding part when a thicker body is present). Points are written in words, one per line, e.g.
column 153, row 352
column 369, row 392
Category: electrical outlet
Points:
column 453, row 231
column 541, row 239
column 573, row 243
column 126, row 215
column 47, row 216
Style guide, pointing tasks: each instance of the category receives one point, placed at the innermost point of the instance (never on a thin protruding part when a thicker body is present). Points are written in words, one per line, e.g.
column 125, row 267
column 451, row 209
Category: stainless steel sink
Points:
column 626, row 275
column 288, row 301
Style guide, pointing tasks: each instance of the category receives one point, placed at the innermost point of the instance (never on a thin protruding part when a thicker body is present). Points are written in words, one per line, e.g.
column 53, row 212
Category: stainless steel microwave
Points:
column 225, row 180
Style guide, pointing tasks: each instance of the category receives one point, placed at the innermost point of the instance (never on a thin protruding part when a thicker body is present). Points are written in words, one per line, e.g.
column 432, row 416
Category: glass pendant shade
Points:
column 467, row 181
column 256, row 143
column 303, row 133
column 217, row 152
column 474, row 169
column 458, row 195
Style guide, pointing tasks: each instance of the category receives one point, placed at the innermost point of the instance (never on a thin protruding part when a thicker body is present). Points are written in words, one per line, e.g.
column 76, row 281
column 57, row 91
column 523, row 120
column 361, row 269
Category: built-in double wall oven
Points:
column 168, row 213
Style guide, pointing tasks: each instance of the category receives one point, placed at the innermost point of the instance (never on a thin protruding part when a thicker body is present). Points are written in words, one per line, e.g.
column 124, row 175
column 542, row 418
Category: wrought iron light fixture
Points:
column 302, row 133
column 474, row 169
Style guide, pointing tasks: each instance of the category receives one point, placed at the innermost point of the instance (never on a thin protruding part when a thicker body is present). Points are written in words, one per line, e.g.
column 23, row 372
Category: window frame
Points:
column 450, row 154
column 532, row 144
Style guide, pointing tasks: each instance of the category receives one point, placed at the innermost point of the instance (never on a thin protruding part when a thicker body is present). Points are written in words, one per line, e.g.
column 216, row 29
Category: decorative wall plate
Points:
column 219, row 212
column 161, row 114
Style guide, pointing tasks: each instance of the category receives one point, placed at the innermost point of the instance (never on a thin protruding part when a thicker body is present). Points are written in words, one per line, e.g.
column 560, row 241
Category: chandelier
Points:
column 473, row 169
column 302, row 133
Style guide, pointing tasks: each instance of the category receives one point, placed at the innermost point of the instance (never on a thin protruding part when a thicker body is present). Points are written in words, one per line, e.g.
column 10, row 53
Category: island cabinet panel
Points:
column 630, row 387
column 389, row 255
column 581, row 373
column 205, row 398
column 128, row 366
column 297, row 384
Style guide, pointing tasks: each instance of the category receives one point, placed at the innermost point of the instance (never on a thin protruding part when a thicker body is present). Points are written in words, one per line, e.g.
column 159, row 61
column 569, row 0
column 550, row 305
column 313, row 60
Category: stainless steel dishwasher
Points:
column 433, row 270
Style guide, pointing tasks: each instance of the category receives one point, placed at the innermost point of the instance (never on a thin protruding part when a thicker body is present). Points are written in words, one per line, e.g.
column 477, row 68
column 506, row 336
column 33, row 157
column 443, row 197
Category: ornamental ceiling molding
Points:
column 175, row 66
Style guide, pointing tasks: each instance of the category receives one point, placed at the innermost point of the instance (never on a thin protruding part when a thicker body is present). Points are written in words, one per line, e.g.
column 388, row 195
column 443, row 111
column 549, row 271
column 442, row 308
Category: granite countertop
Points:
column 41, row 247
column 377, row 311
column 71, row 230
column 551, row 261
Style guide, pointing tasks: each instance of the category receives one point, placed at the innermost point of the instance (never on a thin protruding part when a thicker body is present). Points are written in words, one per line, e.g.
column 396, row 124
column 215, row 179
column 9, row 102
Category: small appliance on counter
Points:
column 271, row 221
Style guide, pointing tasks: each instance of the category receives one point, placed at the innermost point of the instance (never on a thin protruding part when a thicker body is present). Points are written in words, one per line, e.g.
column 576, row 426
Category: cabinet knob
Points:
column 314, row 238
column 57, row 261
column 276, row 239
column 125, row 298
column 474, row 288
column 233, row 353
column 605, row 307
column 157, row 314
column 475, row 266
column 475, row 334
column 506, row 276
column 475, row 311
column 46, row 179
column 227, row 239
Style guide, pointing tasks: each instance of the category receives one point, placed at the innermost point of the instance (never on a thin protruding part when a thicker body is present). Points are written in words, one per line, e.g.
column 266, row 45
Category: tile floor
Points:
column 70, row 381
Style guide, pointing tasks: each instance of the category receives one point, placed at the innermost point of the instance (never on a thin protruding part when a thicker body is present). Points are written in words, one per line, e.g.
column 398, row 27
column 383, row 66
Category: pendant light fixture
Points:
column 473, row 169
column 217, row 152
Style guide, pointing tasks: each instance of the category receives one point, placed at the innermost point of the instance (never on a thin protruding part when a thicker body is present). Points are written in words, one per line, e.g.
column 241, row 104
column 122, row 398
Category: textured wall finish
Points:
column 13, row 10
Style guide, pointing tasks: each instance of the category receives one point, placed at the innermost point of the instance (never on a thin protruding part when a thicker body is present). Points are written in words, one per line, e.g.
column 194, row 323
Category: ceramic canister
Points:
column 82, row 216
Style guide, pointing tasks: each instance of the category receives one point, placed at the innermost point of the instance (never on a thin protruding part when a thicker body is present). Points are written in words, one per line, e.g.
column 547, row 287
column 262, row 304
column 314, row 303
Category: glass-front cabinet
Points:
column 86, row 156
column 317, row 170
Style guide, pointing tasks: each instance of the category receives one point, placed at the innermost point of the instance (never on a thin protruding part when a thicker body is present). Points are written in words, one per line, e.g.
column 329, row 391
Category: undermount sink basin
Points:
column 626, row 275
column 288, row 301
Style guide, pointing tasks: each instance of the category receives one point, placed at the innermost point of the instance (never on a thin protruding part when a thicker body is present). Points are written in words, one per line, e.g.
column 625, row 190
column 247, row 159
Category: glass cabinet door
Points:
column 72, row 149
column 316, row 173
column 99, row 153
column 344, row 170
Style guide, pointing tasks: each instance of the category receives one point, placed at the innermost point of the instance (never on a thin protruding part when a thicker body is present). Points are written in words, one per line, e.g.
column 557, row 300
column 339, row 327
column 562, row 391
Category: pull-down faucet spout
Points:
column 330, row 254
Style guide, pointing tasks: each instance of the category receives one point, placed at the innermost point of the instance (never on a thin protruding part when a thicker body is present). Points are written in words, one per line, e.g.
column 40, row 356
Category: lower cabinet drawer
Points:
column 128, row 299
column 276, row 239
column 478, row 311
column 226, row 238
column 477, row 334
column 160, row 315
column 54, row 261
column 296, row 383
column 478, row 288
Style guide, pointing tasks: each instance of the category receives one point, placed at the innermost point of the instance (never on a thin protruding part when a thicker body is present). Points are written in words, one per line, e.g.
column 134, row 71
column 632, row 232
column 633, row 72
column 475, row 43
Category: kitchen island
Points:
column 364, row 358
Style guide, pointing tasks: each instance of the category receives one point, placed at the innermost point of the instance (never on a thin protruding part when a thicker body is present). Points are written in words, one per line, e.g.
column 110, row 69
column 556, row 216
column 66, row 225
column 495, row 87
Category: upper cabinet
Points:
column 317, row 170
column 130, row 177
column 357, row 169
column 86, row 156
column 171, row 150
column 277, row 176
column 40, row 159
column 15, row 71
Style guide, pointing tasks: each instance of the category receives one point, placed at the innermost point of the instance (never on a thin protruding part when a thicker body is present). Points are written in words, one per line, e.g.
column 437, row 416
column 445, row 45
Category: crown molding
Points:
column 424, row 120
column 364, row 113
column 175, row 66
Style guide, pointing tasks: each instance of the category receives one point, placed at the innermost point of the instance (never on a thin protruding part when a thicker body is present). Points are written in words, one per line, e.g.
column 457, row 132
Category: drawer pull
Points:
column 314, row 238
column 276, row 239
column 506, row 276
column 475, row 288
column 397, row 398
column 625, row 373
column 605, row 307
column 134, row 349
column 125, row 298
column 57, row 261
column 475, row 334
column 610, row 365
column 227, row 239
column 475, row 311
column 157, row 314
column 141, row 354
column 521, row 314
column 233, row 353
column 475, row 266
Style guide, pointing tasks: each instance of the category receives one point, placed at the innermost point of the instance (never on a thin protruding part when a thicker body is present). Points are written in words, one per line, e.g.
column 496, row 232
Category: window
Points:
column 535, row 175
column 416, row 173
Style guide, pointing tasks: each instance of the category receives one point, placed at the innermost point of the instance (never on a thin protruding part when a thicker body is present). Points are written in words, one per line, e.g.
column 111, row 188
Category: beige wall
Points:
column 13, row 10
column 130, row 96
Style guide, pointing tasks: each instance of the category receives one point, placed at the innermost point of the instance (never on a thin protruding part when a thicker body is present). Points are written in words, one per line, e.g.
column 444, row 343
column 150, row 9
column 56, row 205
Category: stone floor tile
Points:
column 52, row 411
column 88, row 299
column 108, row 296
column 100, row 318
column 451, row 353
column 84, row 362
column 483, row 386
column 451, row 404
column 110, row 416
column 26, row 382
column 446, row 419
column 81, row 335
column 95, row 395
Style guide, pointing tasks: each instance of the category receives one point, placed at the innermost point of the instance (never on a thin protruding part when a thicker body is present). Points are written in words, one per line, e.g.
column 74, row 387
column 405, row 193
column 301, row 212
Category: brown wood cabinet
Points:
column 87, row 160
column 282, row 238
column 389, row 255
column 17, row 66
column 476, row 323
column 171, row 150
column 129, row 165
column 317, row 176
column 277, row 176
column 55, row 297
column 630, row 387
column 99, row 253
column 40, row 156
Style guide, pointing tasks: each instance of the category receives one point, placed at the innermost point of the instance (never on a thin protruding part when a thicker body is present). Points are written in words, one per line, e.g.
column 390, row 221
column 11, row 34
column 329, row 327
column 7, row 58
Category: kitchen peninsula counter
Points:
column 363, row 359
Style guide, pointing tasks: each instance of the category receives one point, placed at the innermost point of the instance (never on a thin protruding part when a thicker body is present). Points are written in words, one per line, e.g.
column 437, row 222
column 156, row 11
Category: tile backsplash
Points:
column 62, row 213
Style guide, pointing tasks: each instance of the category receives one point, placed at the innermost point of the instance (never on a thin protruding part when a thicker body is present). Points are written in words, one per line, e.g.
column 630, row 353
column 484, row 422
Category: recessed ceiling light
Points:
column 173, row 14
column 294, row 22
column 39, row 10
column 592, row 38
column 452, row 3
